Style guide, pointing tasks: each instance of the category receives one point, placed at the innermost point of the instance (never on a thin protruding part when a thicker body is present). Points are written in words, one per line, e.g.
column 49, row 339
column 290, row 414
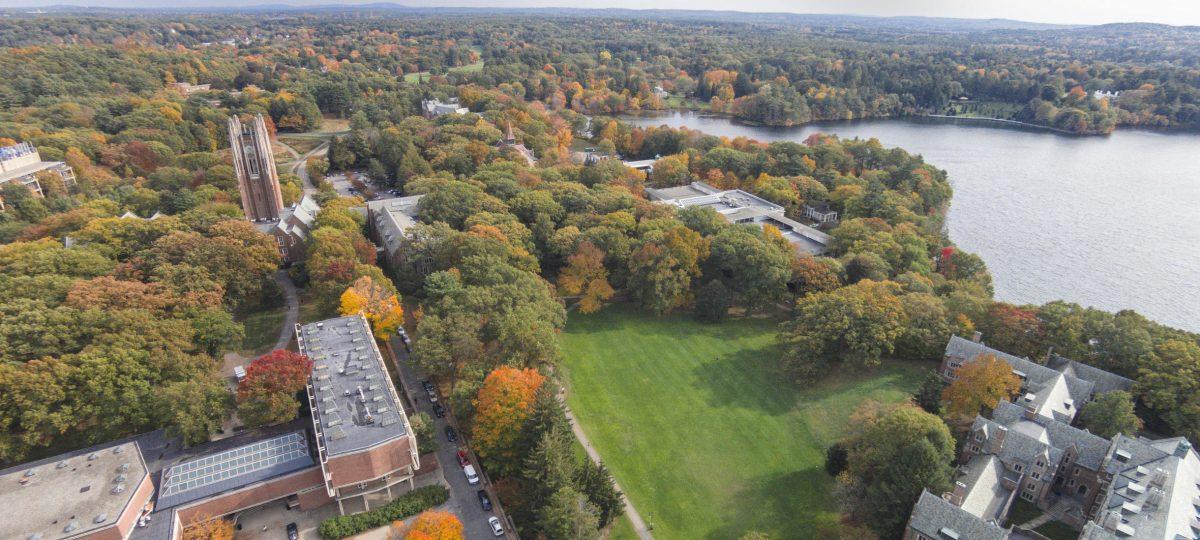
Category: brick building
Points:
column 356, row 443
column 254, row 164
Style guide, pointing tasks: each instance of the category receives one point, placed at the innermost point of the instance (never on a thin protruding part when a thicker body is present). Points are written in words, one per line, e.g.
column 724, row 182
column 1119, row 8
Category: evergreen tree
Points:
column 568, row 516
column 929, row 395
column 595, row 482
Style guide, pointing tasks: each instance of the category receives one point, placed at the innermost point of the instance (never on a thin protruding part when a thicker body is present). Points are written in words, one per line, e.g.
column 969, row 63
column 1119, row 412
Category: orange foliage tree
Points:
column 585, row 275
column 206, row 528
column 379, row 305
column 982, row 382
column 430, row 525
column 502, row 405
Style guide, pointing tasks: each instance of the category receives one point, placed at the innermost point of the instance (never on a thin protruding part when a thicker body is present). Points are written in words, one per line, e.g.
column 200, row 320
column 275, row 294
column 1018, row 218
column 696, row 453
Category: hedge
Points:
column 409, row 504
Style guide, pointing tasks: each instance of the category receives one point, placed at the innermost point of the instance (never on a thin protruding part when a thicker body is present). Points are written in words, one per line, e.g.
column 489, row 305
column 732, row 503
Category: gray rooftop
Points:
column 738, row 206
column 1027, row 439
column 986, row 495
column 355, row 405
column 27, row 170
column 1103, row 381
column 392, row 217
column 934, row 517
column 71, row 494
column 1051, row 393
column 1154, row 492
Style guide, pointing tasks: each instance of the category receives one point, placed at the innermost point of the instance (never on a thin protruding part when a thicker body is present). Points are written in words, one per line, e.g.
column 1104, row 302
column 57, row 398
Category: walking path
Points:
column 292, row 303
column 635, row 518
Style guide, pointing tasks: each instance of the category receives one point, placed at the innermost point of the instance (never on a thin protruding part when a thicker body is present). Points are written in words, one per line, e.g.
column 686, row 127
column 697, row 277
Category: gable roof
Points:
column 932, row 515
column 1027, row 439
column 1051, row 393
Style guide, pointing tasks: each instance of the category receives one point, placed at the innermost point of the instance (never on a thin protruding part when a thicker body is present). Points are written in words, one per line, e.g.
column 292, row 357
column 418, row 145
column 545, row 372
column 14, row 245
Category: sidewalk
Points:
column 639, row 525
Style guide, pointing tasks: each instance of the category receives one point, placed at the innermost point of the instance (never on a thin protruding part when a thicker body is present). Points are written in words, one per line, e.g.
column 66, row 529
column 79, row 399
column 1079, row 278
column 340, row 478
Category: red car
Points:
column 463, row 460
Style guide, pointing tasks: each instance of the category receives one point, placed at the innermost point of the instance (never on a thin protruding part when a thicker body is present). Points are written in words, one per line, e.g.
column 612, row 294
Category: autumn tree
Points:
column 378, row 303
column 503, row 404
column 855, row 325
column 980, row 383
column 586, row 276
column 268, row 393
column 208, row 528
column 431, row 525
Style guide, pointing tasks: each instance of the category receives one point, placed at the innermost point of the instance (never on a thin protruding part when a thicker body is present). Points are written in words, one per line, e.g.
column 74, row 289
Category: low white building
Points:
column 22, row 163
column 433, row 108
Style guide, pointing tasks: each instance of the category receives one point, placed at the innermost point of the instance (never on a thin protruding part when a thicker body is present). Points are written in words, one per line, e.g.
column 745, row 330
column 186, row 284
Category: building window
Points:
column 1040, row 463
column 1071, row 483
column 978, row 437
column 1030, row 486
column 1027, row 497
column 1036, row 475
column 975, row 449
column 1082, row 489
column 1018, row 467
column 252, row 163
column 1075, row 472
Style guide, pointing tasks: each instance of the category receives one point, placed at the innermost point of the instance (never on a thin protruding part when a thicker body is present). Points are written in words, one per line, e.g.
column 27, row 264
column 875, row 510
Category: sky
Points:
column 1177, row 12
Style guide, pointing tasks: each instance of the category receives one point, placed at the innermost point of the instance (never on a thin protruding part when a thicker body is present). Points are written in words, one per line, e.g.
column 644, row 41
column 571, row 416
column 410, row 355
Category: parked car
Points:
column 472, row 477
column 292, row 532
column 438, row 410
column 463, row 460
column 485, row 502
column 497, row 529
column 451, row 435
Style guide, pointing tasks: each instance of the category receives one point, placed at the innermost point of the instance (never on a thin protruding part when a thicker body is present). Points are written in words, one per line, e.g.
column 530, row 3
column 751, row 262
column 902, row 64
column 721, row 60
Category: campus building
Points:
column 292, row 229
column 510, row 142
column 737, row 206
column 1122, row 487
column 254, row 163
column 389, row 220
column 433, row 108
column 22, row 163
column 356, row 447
column 1056, row 390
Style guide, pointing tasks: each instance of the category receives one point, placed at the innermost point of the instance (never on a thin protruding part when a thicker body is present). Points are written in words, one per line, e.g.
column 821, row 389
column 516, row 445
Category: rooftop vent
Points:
column 1155, row 497
column 124, row 468
column 1030, row 397
column 118, row 449
column 1122, row 456
column 1159, row 478
column 93, row 456
column 61, row 465
column 117, row 489
column 120, row 478
column 948, row 533
column 35, row 536
column 100, row 518
column 30, row 473
column 71, row 526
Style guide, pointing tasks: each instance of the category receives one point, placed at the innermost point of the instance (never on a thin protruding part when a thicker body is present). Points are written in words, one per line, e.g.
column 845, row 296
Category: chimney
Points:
column 996, row 441
column 1182, row 450
column 977, row 337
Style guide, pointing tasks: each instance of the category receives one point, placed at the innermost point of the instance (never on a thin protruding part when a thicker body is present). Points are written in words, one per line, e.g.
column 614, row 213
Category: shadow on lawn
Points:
column 746, row 378
column 784, row 505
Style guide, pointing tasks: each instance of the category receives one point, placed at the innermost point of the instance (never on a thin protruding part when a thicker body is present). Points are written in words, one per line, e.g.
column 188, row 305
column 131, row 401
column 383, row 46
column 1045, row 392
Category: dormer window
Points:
column 1040, row 463
column 978, row 437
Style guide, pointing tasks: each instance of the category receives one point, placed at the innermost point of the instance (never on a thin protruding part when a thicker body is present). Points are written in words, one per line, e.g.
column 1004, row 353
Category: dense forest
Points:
column 782, row 72
column 112, row 325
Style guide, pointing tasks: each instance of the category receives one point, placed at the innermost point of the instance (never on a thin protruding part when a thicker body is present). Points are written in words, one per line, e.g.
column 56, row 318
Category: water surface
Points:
column 1110, row 222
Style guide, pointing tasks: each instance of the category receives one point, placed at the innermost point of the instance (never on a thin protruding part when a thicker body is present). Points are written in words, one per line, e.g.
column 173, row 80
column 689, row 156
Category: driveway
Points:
column 463, row 500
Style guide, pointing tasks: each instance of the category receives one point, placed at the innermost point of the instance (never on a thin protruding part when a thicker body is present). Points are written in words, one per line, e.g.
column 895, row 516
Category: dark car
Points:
column 438, row 410
column 451, row 435
column 294, row 534
column 485, row 502
column 463, row 460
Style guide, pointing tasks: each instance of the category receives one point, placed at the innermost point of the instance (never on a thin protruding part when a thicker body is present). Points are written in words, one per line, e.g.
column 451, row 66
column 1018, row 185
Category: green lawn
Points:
column 413, row 78
column 702, row 432
column 262, row 329
column 1023, row 511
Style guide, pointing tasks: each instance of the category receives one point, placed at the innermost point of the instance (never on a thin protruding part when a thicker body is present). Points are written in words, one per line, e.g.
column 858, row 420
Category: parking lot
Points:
column 463, row 499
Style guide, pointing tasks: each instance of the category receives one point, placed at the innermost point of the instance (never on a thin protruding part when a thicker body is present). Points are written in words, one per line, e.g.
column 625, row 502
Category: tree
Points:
column 1170, row 386
column 894, row 453
column 713, row 302
column 1110, row 414
column 857, row 324
column 568, row 516
column 980, row 383
column 586, row 275
column 379, row 304
column 929, row 395
column 815, row 274
column 501, row 407
column 597, row 484
column 432, row 525
column 836, row 459
column 209, row 528
column 268, row 393
column 750, row 265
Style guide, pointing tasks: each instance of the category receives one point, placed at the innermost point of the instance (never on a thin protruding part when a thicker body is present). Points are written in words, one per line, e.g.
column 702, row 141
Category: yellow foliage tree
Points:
column 502, row 406
column 982, row 382
column 430, row 525
column 206, row 528
column 379, row 304
column 585, row 275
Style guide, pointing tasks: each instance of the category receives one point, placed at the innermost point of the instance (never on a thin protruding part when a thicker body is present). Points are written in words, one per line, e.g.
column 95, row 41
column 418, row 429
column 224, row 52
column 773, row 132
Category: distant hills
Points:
column 918, row 23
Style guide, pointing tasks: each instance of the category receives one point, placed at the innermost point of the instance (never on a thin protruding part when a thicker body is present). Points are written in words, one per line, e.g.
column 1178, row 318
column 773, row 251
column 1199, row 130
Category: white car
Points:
column 497, row 529
column 472, row 478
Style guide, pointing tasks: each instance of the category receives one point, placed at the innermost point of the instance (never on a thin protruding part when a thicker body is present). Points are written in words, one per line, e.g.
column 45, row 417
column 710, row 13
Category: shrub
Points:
column 409, row 504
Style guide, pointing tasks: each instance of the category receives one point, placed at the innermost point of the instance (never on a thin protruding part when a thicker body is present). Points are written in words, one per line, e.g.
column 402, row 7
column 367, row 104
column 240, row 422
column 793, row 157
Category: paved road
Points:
column 463, row 500
column 292, row 303
column 639, row 525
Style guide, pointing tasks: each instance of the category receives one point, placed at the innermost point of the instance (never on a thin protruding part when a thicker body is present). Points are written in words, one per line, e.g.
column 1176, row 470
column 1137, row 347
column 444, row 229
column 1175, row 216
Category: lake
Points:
column 1109, row 222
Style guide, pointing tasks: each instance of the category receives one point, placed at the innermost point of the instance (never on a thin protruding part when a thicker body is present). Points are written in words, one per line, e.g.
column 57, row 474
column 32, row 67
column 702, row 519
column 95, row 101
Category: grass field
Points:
column 469, row 68
column 705, row 436
column 262, row 329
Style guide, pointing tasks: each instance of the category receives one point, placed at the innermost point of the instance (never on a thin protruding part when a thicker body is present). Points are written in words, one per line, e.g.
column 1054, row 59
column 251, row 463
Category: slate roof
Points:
column 392, row 217
column 1103, row 381
column 986, row 496
column 1153, row 493
column 1053, row 436
column 1051, row 393
column 932, row 515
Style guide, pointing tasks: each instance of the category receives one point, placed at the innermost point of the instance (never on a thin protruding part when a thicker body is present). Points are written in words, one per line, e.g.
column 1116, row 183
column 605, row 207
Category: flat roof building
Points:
column 364, row 441
column 738, row 206
column 23, row 163
column 433, row 108
column 93, row 493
